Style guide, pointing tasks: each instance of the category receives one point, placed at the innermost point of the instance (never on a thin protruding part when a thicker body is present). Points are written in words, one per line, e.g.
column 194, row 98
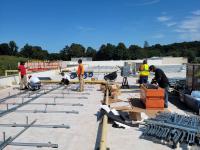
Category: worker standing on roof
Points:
column 144, row 72
column 23, row 78
column 162, row 81
column 80, row 73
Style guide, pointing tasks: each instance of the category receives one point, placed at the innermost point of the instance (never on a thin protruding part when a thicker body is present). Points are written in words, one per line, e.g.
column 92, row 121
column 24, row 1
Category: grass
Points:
column 9, row 63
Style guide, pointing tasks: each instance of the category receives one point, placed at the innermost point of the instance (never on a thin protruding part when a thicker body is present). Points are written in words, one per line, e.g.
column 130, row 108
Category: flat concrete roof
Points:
column 83, row 133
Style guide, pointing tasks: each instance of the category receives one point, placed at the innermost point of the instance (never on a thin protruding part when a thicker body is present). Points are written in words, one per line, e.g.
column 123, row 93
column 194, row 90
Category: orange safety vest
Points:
column 144, row 70
column 80, row 70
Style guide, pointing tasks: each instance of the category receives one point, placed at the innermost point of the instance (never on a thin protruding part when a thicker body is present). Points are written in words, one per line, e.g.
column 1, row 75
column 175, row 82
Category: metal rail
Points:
column 38, row 145
column 63, row 104
column 36, row 126
column 9, row 140
column 63, row 96
column 18, row 94
column 11, row 96
column 46, row 111
column 71, row 93
column 21, row 105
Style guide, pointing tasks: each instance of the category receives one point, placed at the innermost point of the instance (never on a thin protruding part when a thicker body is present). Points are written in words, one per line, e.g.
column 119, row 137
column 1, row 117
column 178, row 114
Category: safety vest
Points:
column 145, row 70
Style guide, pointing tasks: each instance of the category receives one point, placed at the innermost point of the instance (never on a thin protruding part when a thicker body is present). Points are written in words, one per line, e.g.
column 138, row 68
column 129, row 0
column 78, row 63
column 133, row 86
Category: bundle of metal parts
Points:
column 174, row 128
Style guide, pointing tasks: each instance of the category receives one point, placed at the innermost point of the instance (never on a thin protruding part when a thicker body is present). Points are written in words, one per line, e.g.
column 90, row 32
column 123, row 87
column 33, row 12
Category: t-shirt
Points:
column 34, row 80
column 66, row 77
column 22, row 69
column 161, row 78
column 80, row 70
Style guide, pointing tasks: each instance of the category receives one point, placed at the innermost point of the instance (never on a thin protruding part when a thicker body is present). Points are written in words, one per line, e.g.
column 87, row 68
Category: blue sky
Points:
column 53, row 24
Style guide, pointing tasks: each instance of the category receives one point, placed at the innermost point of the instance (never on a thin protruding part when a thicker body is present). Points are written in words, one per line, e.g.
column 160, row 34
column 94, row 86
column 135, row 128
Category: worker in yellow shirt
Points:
column 144, row 72
column 80, row 73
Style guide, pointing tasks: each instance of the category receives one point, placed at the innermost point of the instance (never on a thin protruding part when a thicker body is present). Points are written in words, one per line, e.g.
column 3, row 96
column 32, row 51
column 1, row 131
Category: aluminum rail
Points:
column 35, row 125
column 46, row 111
column 9, row 140
column 11, row 96
column 38, row 145
column 63, row 104
column 28, row 101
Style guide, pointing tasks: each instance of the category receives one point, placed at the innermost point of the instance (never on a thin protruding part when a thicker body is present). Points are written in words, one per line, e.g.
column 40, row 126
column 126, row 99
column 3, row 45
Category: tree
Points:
column 64, row 53
column 35, row 52
column 38, row 53
column 5, row 49
column 133, row 49
column 146, row 44
column 76, row 50
column 119, row 51
column 106, row 52
column 13, row 47
column 90, row 52
column 26, row 51
column 54, row 56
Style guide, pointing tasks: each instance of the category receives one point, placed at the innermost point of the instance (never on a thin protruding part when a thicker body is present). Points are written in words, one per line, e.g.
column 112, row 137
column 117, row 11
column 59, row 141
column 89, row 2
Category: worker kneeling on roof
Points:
column 65, row 78
column 34, row 83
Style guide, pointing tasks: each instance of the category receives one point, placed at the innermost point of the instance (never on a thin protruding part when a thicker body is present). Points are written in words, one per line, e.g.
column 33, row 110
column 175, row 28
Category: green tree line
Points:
column 106, row 51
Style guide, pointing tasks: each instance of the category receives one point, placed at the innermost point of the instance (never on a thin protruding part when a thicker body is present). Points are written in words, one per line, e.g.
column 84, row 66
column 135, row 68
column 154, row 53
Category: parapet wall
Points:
column 14, row 79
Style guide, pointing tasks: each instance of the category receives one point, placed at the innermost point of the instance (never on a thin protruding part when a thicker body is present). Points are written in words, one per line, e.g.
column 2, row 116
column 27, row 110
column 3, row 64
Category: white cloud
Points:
column 189, row 28
column 163, row 18
column 143, row 3
column 159, row 36
column 191, row 24
column 190, row 36
column 149, row 2
column 170, row 24
column 197, row 12
column 85, row 29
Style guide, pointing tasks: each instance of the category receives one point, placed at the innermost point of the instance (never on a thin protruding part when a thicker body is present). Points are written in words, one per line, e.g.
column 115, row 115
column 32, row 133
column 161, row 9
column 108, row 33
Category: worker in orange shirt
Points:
column 80, row 73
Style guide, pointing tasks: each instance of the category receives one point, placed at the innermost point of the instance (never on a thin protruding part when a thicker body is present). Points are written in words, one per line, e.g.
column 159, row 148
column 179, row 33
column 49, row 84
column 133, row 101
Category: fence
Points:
column 35, row 66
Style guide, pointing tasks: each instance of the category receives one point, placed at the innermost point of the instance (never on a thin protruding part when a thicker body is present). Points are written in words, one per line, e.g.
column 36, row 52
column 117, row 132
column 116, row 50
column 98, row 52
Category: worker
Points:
column 34, row 83
column 162, row 81
column 144, row 72
column 65, row 79
column 80, row 73
column 22, row 74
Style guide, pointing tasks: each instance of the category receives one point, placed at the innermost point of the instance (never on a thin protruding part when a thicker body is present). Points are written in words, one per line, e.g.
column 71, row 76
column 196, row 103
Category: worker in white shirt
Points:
column 65, row 78
column 34, row 83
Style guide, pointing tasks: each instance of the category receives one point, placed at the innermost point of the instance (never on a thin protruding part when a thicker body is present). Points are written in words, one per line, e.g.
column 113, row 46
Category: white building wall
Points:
column 174, row 60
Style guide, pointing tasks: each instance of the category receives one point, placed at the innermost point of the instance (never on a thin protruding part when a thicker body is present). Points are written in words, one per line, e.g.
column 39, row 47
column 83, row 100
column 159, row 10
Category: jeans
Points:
column 143, row 79
column 34, row 86
column 166, row 96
